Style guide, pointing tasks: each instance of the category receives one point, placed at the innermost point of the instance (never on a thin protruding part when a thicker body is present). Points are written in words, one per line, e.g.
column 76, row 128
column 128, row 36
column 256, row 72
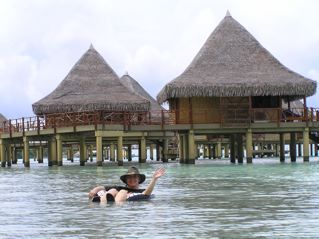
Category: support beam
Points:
column 165, row 151
column 282, row 147
column 129, row 152
column 59, row 149
column 249, row 146
column 26, row 154
column 99, row 149
column 306, row 145
column 158, row 152
column 232, row 149
column 83, row 155
column 293, row 147
column 112, row 152
column 240, row 148
column 181, row 148
column 40, row 154
column 191, row 148
column 142, row 150
column 2, row 153
column 120, row 150
column 151, row 152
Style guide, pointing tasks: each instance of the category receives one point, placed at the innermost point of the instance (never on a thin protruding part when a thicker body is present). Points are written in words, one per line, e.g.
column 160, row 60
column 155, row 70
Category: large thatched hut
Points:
column 91, row 87
column 233, row 78
column 155, row 108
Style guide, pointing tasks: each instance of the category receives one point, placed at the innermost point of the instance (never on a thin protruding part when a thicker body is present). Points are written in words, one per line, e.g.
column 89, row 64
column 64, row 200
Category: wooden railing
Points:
column 164, row 117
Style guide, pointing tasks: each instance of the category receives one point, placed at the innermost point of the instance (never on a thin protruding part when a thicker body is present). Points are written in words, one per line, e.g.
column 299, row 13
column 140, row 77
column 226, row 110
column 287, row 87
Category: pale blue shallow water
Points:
column 207, row 200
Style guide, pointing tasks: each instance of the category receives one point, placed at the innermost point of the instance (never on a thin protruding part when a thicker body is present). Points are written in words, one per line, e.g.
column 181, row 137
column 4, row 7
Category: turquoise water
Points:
column 211, row 199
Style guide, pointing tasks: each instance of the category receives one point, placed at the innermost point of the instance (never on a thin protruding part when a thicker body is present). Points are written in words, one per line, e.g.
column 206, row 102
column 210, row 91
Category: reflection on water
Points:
column 206, row 200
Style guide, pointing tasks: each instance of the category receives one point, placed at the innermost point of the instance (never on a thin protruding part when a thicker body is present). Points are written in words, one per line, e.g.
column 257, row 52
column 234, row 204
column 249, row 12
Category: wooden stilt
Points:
column 282, row 147
column 99, row 149
column 165, row 151
column 129, row 152
column 142, row 156
column 306, row 145
column 119, row 150
column 83, row 156
column 26, row 154
column 151, row 152
column 191, row 148
column 59, row 149
column 232, row 149
column 2, row 153
column 293, row 147
column 249, row 146
column 112, row 152
column 40, row 153
column 240, row 148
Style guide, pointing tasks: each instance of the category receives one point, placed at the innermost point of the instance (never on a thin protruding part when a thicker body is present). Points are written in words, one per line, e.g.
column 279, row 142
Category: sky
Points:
column 152, row 40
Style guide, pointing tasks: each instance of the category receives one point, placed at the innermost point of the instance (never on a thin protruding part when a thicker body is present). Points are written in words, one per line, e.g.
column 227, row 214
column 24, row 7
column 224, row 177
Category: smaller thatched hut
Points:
column 92, row 87
column 230, row 77
column 136, row 88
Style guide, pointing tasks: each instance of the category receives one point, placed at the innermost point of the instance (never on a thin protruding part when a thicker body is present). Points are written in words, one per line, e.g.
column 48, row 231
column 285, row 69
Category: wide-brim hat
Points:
column 133, row 171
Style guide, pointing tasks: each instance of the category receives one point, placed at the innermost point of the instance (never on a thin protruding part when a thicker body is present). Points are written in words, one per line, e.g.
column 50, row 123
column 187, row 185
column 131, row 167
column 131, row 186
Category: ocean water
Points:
column 211, row 199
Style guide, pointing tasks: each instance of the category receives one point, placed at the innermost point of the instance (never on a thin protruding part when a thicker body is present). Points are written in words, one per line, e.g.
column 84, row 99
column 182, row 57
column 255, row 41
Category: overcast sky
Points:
column 154, row 41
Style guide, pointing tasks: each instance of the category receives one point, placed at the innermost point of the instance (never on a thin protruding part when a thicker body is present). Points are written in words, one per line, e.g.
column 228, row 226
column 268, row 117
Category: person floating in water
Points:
column 132, row 179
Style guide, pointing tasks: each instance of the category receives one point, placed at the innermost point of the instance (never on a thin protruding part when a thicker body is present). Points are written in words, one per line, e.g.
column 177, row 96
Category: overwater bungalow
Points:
column 235, row 82
column 91, row 92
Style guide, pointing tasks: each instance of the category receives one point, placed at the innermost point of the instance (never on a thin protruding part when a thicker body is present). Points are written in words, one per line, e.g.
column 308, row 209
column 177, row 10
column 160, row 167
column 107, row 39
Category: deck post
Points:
column 14, row 155
column 306, row 145
column 249, row 146
column 40, row 154
column 165, row 151
column 181, row 148
column 83, row 155
column 282, row 147
column 9, row 155
column 227, row 150
column 232, row 149
column 293, row 147
column 26, row 155
column 70, row 153
column 219, row 150
column 191, row 148
column 59, row 149
column 2, row 153
column 129, row 152
column 99, row 149
column 158, row 152
column 240, row 148
column 112, row 152
column 142, row 150
column 120, row 150
column 299, row 150
column 151, row 152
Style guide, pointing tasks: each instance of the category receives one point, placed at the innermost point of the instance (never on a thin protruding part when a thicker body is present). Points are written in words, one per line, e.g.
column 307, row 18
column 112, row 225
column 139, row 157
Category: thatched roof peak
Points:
column 136, row 88
column 228, row 14
column 91, row 85
column 233, row 63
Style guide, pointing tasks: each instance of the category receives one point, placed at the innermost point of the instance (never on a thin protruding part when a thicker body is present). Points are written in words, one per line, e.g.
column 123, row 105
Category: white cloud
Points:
column 153, row 40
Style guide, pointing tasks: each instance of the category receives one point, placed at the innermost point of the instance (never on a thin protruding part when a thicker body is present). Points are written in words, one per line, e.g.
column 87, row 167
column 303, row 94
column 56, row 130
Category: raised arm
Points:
column 157, row 174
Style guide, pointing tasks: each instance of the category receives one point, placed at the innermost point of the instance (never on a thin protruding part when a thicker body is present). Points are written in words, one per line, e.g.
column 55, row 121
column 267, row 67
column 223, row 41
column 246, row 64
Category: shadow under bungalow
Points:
column 234, row 96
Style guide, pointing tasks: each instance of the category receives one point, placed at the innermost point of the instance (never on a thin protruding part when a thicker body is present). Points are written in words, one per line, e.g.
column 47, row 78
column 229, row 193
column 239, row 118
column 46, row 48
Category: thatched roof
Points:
column 91, row 85
column 233, row 63
column 136, row 88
